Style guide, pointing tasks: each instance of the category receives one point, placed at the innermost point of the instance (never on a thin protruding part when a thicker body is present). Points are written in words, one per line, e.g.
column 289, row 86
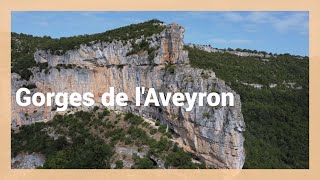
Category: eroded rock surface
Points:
column 214, row 134
column 27, row 161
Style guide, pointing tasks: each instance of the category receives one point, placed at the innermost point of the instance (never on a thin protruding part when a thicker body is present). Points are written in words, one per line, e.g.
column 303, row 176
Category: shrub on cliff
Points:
column 119, row 164
column 142, row 163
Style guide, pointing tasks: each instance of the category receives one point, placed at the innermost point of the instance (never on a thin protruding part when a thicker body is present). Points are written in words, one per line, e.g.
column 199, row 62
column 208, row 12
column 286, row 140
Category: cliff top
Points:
column 132, row 31
column 23, row 46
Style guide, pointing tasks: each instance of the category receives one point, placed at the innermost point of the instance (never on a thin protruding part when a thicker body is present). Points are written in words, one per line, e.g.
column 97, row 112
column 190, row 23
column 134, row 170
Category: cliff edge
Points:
column 213, row 134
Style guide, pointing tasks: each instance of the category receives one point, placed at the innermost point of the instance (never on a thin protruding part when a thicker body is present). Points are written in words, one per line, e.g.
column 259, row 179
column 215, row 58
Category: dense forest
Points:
column 277, row 118
column 88, row 140
column 23, row 46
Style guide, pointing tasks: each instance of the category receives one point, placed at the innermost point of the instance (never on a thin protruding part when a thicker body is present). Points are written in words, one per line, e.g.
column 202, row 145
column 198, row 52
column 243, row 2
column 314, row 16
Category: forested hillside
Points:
column 92, row 140
column 276, row 111
column 23, row 46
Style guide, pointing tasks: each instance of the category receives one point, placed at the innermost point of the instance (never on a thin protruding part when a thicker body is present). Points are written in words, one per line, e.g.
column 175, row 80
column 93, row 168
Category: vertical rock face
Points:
column 214, row 134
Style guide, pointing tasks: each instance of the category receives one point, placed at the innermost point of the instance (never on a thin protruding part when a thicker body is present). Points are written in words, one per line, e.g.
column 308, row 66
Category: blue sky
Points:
column 277, row 32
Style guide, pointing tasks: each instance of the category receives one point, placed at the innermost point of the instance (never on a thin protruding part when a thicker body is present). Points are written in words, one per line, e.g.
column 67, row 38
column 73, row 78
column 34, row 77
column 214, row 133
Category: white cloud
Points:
column 296, row 21
column 260, row 17
column 281, row 22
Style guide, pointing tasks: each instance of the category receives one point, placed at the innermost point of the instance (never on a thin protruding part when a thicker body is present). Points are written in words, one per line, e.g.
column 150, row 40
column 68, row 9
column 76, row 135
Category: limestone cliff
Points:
column 214, row 134
column 235, row 52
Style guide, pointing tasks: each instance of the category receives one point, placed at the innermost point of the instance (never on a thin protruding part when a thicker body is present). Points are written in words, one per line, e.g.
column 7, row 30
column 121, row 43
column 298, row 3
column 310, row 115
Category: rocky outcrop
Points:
column 27, row 161
column 214, row 134
column 238, row 53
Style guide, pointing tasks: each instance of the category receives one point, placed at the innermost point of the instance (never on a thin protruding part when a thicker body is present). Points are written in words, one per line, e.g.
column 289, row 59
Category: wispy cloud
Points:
column 274, row 31
column 282, row 22
column 297, row 21
column 260, row 17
